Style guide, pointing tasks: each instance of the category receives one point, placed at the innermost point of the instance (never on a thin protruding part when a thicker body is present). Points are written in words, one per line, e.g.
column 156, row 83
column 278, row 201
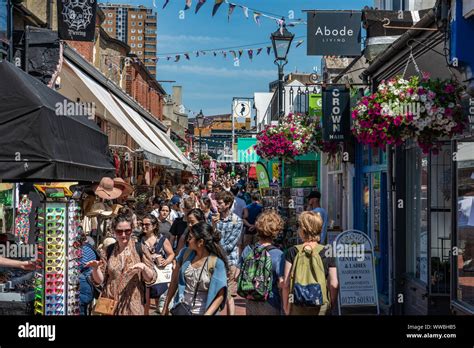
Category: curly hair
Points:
column 269, row 224
column 121, row 218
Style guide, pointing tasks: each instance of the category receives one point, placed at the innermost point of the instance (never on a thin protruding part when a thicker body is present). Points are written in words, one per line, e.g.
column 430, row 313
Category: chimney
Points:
column 177, row 95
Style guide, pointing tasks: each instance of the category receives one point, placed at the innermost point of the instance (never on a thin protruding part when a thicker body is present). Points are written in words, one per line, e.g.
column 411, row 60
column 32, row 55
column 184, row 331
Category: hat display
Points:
column 126, row 188
column 116, row 208
column 107, row 190
column 100, row 208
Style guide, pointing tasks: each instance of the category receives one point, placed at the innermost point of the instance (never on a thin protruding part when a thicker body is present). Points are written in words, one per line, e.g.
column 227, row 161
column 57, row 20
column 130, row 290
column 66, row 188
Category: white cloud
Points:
column 216, row 72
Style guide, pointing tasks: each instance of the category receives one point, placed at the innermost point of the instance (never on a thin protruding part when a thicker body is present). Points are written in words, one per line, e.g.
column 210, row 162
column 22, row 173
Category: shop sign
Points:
column 469, row 111
column 354, row 255
column 315, row 105
column 334, row 33
column 262, row 176
column 246, row 150
column 303, row 181
column 76, row 19
column 336, row 113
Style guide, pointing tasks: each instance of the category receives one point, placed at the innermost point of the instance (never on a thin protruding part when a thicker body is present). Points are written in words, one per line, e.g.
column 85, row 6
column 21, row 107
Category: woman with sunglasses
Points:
column 125, row 268
column 200, row 276
column 161, row 253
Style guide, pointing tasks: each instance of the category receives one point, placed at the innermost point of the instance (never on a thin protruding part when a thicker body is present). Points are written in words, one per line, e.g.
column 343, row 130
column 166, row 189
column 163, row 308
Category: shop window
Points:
column 133, row 16
column 417, row 215
column 465, row 224
column 133, row 31
column 440, row 220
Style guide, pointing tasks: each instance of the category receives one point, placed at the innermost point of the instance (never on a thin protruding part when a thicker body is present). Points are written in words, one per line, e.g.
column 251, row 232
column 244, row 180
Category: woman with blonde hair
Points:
column 310, row 282
column 268, row 226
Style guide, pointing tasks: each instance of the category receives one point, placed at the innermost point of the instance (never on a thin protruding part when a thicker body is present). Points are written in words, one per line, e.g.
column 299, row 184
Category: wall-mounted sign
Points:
column 315, row 105
column 242, row 108
column 303, row 181
column 334, row 33
column 336, row 113
column 76, row 19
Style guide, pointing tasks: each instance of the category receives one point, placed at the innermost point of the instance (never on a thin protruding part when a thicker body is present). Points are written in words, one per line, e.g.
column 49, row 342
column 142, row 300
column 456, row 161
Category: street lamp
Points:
column 200, row 125
column 281, row 40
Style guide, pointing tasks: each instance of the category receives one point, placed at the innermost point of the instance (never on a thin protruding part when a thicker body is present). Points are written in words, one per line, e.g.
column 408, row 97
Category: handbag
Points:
column 164, row 273
column 105, row 306
column 182, row 308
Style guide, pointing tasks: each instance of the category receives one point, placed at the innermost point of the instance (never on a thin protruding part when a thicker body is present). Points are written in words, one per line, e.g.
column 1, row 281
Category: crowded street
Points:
column 178, row 158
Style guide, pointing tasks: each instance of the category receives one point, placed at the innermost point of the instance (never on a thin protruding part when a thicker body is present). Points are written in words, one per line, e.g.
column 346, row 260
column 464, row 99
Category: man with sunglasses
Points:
column 24, row 265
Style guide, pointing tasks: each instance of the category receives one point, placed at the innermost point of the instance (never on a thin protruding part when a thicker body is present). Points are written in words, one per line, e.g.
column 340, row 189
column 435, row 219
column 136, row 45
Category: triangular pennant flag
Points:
column 217, row 4
column 256, row 17
column 250, row 52
column 215, row 54
column 231, row 9
column 188, row 4
column 240, row 53
column 177, row 58
column 154, row 3
column 269, row 48
column 246, row 11
column 259, row 51
column 234, row 54
column 168, row 58
column 298, row 44
column 199, row 5
column 197, row 53
column 187, row 56
column 166, row 3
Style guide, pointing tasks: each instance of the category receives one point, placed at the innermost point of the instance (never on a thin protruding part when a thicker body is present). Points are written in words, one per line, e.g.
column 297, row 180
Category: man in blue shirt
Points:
column 314, row 201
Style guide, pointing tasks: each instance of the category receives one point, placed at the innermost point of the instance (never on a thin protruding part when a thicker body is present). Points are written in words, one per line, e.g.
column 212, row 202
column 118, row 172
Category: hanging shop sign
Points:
column 315, row 105
column 468, row 105
column 336, row 113
column 353, row 251
column 262, row 176
column 334, row 33
column 303, row 181
column 246, row 150
column 76, row 19
column 241, row 108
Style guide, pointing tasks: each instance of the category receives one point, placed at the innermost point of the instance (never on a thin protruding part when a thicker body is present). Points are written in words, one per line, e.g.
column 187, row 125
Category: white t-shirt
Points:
column 156, row 213
column 238, row 206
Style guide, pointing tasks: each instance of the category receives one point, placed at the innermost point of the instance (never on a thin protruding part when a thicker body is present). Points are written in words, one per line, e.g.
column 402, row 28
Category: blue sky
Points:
column 209, row 83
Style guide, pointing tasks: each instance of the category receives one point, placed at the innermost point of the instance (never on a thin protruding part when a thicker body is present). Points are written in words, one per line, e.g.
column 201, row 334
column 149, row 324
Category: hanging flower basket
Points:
column 295, row 136
column 425, row 111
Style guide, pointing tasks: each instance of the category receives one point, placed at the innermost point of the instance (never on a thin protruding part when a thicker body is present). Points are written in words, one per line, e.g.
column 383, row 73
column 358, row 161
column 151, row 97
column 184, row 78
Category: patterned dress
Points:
column 124, row 284
column 22, row 221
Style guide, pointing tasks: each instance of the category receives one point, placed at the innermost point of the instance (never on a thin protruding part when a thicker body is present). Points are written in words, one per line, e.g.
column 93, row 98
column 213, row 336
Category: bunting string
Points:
column 236, row 52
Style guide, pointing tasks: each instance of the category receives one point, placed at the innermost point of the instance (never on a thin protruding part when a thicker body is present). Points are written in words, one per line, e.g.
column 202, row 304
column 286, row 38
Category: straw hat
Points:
column 116, row 208
column 107, row 190
column 100, row 208
column 126, row 188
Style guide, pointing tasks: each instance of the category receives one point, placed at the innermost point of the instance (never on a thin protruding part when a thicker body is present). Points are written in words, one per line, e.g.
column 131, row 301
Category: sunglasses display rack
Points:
column 74, row 258
column 57, row 275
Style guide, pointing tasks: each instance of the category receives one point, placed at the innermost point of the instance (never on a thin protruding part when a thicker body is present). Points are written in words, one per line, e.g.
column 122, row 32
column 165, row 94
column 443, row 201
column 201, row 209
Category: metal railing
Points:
column 295, row 99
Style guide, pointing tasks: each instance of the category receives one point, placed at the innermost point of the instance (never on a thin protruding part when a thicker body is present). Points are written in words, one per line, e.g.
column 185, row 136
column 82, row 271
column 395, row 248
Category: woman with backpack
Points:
column 161, row 252
column 310, row 282
column 200, row 276
column 124, row 270
column 263, row 260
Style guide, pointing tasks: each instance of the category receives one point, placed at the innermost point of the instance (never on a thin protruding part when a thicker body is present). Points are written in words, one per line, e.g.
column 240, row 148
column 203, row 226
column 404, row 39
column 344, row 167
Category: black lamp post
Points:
column 200, row 125
column 281, row 40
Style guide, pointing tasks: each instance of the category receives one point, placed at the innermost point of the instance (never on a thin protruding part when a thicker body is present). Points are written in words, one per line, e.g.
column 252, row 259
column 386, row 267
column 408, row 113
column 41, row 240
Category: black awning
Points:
column 37, row 144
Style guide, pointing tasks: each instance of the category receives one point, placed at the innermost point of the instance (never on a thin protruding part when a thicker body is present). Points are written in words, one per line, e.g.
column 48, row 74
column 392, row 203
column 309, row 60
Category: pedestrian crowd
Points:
column 197, row 247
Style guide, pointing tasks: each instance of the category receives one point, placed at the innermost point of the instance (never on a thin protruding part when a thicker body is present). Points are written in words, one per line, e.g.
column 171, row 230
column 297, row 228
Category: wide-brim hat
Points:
column 126, row 188
column 107, row 190
column 100, row 208
column 116, row 208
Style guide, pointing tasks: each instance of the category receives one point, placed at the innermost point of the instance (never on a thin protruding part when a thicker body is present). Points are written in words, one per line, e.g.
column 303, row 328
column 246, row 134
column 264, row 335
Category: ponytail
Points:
column 211, row 238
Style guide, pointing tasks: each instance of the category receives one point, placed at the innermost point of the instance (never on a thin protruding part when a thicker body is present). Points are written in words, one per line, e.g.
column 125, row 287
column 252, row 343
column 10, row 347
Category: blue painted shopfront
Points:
column 370, row 208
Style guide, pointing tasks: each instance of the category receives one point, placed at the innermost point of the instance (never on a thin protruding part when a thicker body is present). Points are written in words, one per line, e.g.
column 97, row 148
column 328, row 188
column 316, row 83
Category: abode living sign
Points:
column 334, row 33
column 336, row 113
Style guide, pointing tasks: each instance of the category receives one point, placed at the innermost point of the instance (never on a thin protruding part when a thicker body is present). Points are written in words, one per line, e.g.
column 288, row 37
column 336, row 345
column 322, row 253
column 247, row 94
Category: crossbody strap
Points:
column 199, row 280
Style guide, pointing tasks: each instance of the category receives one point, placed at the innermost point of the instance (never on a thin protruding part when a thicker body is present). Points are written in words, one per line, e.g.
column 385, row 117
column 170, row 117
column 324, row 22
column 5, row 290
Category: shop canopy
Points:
column 39, row 144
